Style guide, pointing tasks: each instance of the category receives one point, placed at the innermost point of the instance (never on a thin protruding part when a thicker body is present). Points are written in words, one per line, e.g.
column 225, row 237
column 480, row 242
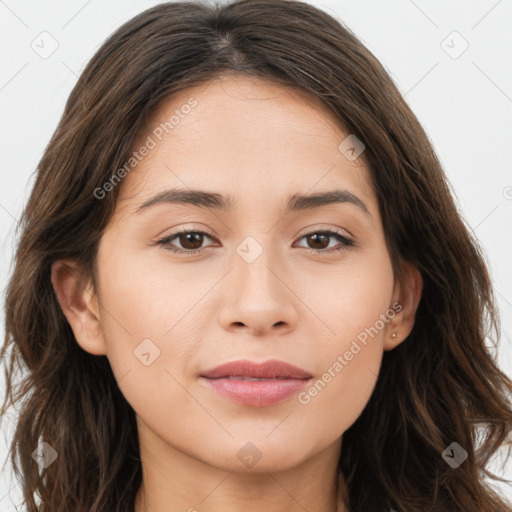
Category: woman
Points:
column 242, row 282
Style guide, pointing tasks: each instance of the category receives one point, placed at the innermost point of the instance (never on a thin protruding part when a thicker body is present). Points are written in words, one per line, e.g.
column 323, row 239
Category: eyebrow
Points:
column 213, row 200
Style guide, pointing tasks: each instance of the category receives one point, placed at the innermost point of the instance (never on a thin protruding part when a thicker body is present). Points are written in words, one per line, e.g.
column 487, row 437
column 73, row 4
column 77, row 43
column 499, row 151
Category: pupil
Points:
column 192, row 235
column 315, row 237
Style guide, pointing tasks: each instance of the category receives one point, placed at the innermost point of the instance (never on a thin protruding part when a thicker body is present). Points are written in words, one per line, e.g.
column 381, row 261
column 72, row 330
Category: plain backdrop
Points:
column 451, row 60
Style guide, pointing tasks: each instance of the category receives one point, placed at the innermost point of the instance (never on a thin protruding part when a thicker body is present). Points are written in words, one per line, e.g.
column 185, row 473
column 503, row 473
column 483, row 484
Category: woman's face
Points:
column 259, row 278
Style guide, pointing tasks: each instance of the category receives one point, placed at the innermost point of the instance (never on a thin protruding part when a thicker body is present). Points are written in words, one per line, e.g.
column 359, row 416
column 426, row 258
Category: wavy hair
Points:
column 441, row 385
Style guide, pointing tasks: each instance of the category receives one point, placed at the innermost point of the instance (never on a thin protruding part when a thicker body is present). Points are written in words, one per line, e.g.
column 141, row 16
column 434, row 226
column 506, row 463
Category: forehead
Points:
column 244, row 137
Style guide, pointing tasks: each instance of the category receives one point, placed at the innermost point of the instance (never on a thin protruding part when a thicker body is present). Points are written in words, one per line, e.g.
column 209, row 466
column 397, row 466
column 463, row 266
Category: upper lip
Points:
column 267, row 370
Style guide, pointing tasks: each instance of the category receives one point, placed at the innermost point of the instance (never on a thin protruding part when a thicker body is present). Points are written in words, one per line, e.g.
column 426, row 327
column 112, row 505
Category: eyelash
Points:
column 347, row 243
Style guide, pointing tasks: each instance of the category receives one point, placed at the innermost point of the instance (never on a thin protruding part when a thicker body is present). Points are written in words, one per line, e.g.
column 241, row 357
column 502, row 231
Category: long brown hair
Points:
column 440, row 386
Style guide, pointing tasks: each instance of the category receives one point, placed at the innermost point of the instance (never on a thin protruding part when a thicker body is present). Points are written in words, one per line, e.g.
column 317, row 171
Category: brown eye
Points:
column 191, row 241
column 188, row 242
column 318, row 240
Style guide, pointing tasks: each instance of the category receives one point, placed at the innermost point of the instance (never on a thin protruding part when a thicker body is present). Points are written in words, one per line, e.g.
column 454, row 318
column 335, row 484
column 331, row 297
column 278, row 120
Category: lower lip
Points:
column 257, row 393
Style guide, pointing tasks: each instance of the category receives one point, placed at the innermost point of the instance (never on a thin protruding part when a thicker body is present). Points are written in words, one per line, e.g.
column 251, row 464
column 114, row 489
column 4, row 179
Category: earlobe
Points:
column 408, row 294
column 79, row 304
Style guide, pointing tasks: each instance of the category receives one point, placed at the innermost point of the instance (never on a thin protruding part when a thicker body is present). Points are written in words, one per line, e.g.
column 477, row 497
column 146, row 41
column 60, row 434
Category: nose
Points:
column 258, row 298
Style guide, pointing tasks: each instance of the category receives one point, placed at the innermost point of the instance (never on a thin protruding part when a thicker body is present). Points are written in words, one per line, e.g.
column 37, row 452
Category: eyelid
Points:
column 348, row 242
column 316, row 228
column 175, row 234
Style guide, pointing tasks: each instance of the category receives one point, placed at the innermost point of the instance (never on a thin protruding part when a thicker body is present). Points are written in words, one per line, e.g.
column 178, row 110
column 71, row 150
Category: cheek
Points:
column 142, row 320
column 338, row 396
column 149, row 315
column 349, row 353
column 146, row 299
column 350, row 298
column 347, row 367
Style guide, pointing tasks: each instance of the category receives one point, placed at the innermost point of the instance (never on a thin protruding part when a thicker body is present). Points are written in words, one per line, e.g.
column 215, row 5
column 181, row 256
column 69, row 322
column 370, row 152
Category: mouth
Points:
column 244, row 377
column 256, row 384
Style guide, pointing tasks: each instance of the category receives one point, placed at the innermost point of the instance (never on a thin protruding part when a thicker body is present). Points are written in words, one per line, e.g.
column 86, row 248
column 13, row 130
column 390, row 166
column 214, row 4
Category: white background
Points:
column 464, row 104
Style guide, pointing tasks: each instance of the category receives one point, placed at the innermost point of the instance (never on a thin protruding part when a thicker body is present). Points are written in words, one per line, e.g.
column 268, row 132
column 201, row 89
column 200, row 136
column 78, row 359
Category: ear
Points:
column 406, row 296
column 80, row 305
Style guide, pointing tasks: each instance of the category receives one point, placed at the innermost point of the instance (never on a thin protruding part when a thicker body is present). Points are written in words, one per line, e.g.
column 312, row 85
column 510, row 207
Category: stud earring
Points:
column 394, row 335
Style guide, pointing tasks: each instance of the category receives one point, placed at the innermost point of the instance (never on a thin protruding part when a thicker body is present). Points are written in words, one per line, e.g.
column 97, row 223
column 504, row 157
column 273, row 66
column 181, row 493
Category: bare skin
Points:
column 258, row 143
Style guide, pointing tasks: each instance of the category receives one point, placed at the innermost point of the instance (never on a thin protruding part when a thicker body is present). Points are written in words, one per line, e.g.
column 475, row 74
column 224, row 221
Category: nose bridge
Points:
column 256, row 264
column 257, row 296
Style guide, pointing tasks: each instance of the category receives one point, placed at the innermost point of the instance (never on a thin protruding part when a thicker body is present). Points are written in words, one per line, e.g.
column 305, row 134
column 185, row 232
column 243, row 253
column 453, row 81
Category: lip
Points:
column 271, row 369
column 280, row 381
